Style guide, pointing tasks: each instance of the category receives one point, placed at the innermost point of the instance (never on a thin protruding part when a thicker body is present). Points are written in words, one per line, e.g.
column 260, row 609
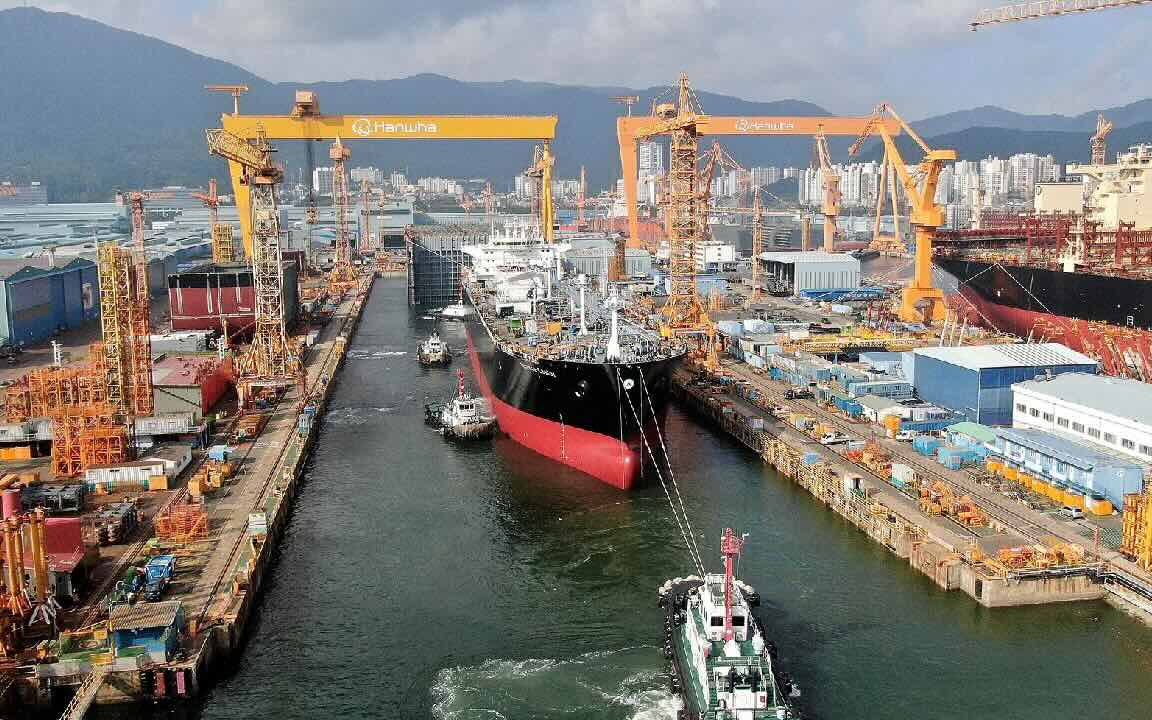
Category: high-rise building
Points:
column 651, row 159
column 322, row 181
column 398, row 180
column 374, row 176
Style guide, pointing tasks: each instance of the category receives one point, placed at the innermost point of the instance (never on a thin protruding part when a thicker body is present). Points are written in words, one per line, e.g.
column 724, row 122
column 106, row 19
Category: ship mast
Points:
column 730, row 547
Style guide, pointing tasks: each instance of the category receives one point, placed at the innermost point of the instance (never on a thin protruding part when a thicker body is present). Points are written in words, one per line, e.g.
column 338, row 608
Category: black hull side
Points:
column 1125, row 302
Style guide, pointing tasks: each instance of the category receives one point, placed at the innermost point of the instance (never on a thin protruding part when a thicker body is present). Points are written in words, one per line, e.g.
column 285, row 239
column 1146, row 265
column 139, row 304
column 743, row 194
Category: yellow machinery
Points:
column 541, row 171
column 630, row 130
column 830, row 180
column 1137, row 537
column 343, row 275
column 1046, row 8
column 921, row 301
column 222, row 249
column 269, row 359
column 306, row 123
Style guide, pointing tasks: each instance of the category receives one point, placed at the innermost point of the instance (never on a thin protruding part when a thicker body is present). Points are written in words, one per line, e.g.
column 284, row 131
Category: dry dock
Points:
column 955, row 556
column 219, row 576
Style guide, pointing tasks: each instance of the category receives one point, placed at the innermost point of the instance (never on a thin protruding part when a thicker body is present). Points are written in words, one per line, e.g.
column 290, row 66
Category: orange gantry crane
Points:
column 541, row 171
column 830, row 182
column 268, row 359
column 629, row 130
column 305, row 122
column 1046, row 8
column 223, row 251
column 343, row 275
column 921, row 301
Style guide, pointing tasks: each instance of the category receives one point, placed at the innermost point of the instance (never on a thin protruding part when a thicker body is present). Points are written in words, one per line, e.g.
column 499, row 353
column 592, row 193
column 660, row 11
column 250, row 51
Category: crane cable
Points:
column 678, row 512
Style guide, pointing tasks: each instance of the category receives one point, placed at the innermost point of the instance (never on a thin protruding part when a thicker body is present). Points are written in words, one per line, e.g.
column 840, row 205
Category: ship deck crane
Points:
column 305, row 122
column 921, row 301
column 830, row 181
column 268, row 358
column 1100, row 141
column 1046, row 8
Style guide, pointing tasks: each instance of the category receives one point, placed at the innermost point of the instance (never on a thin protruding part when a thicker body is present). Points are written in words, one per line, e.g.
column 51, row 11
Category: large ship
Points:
column 1076, row 271
column 722, row 667
column 565, row 373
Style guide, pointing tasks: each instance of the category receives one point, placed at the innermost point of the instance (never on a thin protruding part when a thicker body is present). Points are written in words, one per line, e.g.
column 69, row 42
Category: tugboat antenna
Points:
column 730, row 547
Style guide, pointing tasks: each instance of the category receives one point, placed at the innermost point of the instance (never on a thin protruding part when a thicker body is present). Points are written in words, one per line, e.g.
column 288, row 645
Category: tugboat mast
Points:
column 730, row 547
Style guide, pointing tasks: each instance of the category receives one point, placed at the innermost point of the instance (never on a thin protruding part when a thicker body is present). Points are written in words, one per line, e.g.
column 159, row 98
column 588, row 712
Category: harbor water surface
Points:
column 421, row 579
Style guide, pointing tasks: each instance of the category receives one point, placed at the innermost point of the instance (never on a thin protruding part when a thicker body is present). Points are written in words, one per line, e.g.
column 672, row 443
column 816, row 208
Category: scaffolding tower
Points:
column 343, row 274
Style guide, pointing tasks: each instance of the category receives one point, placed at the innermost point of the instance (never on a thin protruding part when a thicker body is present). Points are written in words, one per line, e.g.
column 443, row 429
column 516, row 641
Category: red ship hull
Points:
column 611, row 461
column 1124, row 352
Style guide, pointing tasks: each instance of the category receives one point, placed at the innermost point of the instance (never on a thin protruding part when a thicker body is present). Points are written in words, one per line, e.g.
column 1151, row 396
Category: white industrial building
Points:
column 1109, row 411
column 714, row 256
column 814, row 270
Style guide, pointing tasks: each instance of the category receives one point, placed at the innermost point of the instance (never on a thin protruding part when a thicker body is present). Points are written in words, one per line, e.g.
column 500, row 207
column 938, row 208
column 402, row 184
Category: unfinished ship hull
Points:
column 1106, row 317
column 581, row 414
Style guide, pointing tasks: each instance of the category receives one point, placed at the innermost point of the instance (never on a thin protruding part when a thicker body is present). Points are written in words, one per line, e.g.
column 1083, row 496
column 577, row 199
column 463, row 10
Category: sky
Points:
column 845, row 55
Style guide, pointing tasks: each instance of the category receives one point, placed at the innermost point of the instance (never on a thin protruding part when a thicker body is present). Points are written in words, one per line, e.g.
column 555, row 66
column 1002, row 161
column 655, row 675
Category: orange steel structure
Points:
column 343, row 274
column 830, row 180
column 223, row 250
column 629, row 130
column 139, row 338
column 921, row 301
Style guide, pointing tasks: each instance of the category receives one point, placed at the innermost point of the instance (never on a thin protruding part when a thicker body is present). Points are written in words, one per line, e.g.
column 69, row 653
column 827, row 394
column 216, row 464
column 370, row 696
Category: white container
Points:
column 904, row 474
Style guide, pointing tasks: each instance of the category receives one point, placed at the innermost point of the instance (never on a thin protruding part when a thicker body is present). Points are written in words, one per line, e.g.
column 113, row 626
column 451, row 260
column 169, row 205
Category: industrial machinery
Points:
column 830, row 181
column 222, row 248
column 922, row 301
column 1099, row 140
column 268, row 358
column 1046, row 8
column 541, row 171
column 305, row 122
column 1137, row 537
column 343, row 275
column 629, row 130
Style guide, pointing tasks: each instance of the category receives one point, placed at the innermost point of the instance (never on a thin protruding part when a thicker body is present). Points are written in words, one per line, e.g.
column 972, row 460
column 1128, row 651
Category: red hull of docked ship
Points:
column 577, row 414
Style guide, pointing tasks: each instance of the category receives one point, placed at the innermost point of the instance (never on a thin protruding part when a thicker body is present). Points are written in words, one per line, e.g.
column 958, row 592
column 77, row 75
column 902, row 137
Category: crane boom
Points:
column 1046, row 8
column 238, row 150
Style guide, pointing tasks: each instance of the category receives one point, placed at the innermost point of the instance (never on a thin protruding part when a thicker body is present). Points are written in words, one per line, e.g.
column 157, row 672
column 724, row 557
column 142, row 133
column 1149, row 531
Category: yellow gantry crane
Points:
column 830, row 182
column 269, row 358
column 541, row 171
column 921, row 301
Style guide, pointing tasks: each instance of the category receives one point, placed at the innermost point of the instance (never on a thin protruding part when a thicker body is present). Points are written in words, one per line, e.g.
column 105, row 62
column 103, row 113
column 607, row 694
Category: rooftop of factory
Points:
column 812, row 256
column 981, row 357
column 1120, row 397
column 180, row 370
column 875, row 403
column 1065, row 448
column 15, row 269
column 980, row 432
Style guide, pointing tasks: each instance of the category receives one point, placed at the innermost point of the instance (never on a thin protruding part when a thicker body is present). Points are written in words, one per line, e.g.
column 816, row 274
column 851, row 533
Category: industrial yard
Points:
column 236, row 472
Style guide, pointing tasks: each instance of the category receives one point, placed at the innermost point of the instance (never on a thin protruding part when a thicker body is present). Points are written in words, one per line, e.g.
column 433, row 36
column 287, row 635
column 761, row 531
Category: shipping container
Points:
column 903, row 475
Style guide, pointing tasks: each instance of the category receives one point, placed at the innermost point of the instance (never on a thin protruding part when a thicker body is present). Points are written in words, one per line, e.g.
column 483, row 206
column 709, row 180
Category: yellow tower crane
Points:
column 1046, row 8
column 1099, row 140
column 268, row 359
column 830, row 181
column 223, row 251
column 921, row 301
column 541, row 171
column 343, row 274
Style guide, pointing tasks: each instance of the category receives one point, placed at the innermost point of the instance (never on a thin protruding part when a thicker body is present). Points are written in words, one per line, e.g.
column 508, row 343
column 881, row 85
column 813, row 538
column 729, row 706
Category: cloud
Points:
column 847, row 56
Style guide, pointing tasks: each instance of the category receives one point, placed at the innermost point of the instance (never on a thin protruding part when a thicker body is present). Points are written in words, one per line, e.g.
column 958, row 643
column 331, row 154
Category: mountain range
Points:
column 86, row 108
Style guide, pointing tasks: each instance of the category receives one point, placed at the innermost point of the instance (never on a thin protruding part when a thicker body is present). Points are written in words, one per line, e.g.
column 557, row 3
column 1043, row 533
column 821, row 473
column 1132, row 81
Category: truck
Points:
column 157, row 575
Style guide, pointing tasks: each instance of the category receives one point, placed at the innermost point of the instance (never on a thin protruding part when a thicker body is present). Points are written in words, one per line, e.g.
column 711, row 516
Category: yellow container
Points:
column 1025, row 479
column 1039, row 486
column 1011, row 473
column 158, row 482
column 1074, row 498
column 1100, row 506
column 1056, row 492
column 994, row 466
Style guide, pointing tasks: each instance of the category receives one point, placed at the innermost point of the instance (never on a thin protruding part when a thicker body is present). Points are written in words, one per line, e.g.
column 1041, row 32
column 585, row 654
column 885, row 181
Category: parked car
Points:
column 905, row 436
column 780, row 411
column 833, row 438
column 1072, row 513
column 798, row 394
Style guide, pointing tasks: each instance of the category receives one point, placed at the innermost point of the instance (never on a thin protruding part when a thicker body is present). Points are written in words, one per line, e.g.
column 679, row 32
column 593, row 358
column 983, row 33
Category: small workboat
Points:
column 434, row 352
column 463, row 418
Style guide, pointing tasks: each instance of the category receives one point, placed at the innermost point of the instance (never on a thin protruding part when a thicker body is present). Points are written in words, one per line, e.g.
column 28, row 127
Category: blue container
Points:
column 219, row 453
column 811, row 458
column 926, row 445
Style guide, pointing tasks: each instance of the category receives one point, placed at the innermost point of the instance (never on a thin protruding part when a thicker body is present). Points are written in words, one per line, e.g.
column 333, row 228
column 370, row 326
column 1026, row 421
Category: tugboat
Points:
column 434, row 351
column 722, row 667
column 461, row 419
